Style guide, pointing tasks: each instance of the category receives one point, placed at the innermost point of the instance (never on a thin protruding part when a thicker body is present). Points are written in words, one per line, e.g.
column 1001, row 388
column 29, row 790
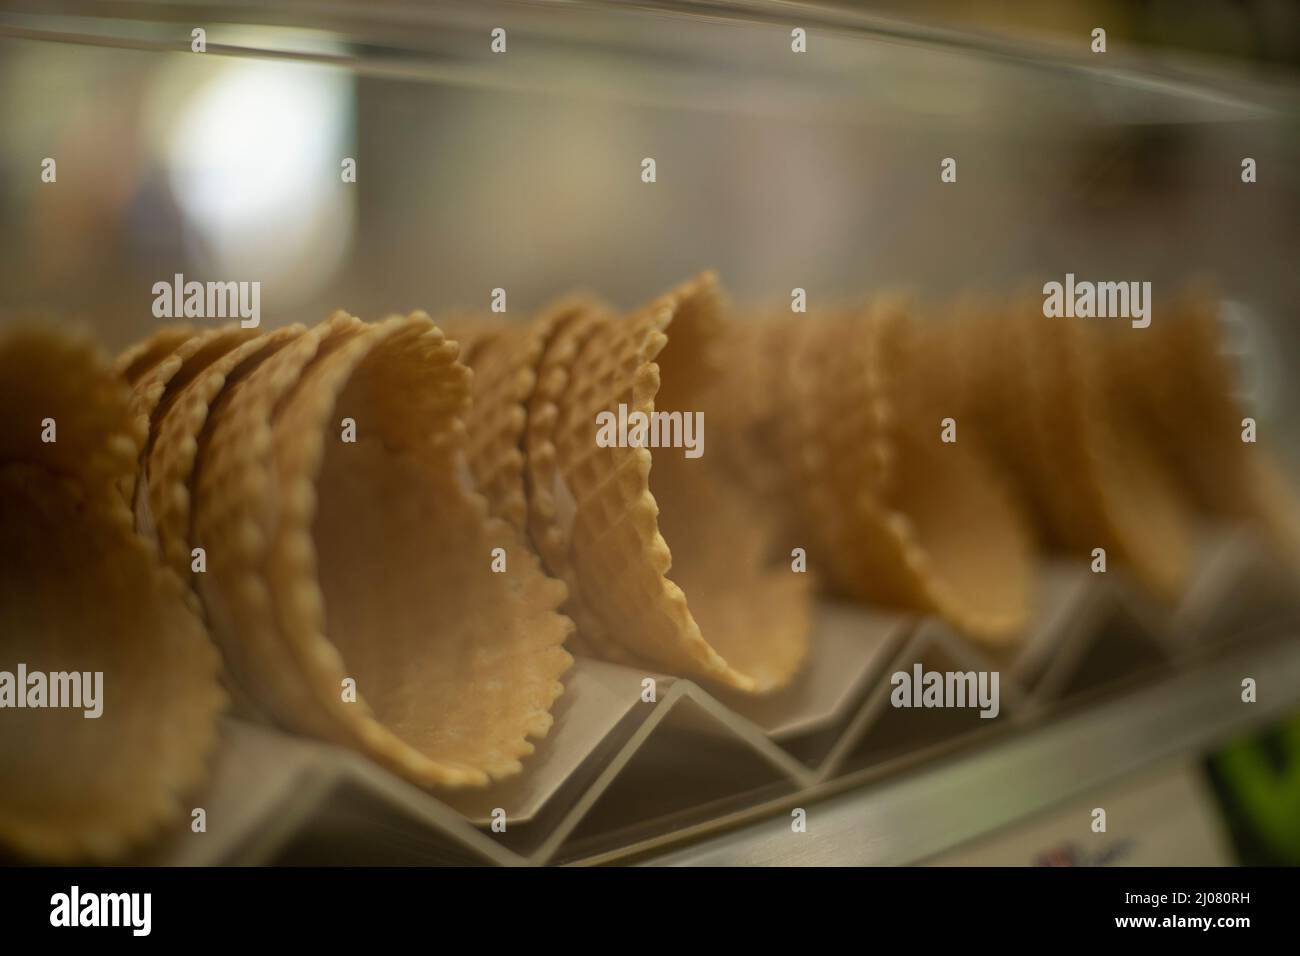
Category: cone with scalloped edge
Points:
column 352, row 582
column 161, row 365
column 81, row 592
column 178, row 420
column 140, row 357
column 506, row 360
column 897, row 515
column 1094, row 483
column 1180, row 382
column 607, row 515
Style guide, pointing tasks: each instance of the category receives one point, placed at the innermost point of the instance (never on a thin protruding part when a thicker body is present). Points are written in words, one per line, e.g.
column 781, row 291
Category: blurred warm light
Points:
column 253, row 155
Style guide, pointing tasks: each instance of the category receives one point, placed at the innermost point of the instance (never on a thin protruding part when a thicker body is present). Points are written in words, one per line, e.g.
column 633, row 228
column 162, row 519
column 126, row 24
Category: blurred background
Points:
column 522, row 170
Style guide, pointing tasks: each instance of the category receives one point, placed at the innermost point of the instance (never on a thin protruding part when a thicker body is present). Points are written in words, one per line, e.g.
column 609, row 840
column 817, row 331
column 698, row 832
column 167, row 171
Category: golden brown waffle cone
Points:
column 485, row 702
column 986, row 355
column 177, row 424
column 1179, row 383
column 1092, row 481
column 472, row 333
column 505, row 359
column 97, row 440
column 141, row 357
column 766, row 403
column 1111, row 492
column 1180, row 387
column 153, row 372
column 839, row 411
column 148, row 367
column 194, row 376
column 897, row 516
column 745, row 415
column 601, row 521
column 232, row 507
column 550, row 501
column 312, row 584
column 725, row 549
column 80, row 591
column 562, row 331
column 841, row 404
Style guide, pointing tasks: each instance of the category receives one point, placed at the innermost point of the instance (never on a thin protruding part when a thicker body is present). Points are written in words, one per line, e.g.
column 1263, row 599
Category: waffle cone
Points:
column 603, row 527
column 473, row 333
column 1093, row 482
column 748, row 435
column 233, row 506
column 44, row 376
column 505, row 360
column 177, row 425
column 1181, row 381
column 454, row 666
column 140, row 358
column 898, row 516
column 80, row 591
column 152, row 373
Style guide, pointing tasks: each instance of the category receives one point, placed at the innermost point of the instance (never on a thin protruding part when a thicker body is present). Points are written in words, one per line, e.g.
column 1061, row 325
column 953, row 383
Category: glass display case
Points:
column 479, row 161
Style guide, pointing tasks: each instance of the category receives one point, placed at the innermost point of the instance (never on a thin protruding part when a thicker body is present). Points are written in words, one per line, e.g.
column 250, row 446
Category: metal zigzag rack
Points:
column 603, row 784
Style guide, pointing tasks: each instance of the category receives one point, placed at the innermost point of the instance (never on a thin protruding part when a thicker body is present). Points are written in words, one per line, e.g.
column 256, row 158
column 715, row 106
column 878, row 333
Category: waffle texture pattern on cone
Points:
column 600, row 521
column 401, row 523
column 505, row 359
column 171, row 456
column 832, row 421
column 902, row 517
column 367, row 564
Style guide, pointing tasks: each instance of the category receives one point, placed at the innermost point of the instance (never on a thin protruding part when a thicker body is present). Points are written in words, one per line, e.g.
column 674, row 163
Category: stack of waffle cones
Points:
column 1182, row 379
column 381, row 628
column 667, row 567
column 1038, row 391
column 395, row 538
column 844, row 433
